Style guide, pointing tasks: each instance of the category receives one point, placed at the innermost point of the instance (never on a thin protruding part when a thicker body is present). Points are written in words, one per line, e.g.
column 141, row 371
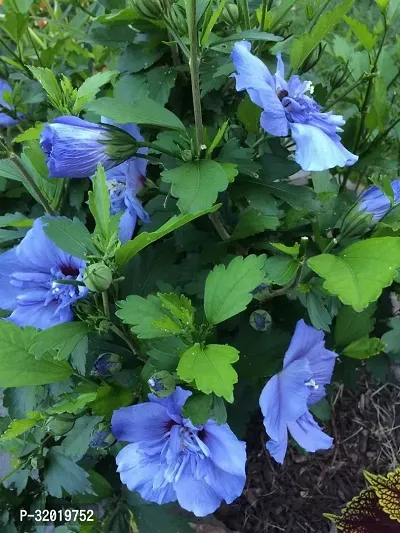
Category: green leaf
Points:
column 19, row 367
column 297, row 196
column 380, row 102
column 198, row 408
column 358, row 274
column 30, row 134
column 252, row 222
column 392, row 338
column 318, row 313
column 91, row 86
column 210, row 367
column 364, row 348
column 322, row 410
column 280, row 269
column 179, row 306
column 19, row 6
column 303, row 46
column 362, row 33
column 62, row 474
column 196, row 184
column 72, row 236
column 15, row 25
column 351, row 326
column 165, row 353
column 218, row 410
column 63, row 338
column 101, row 487
column 153, row 518
column 99, row 203
column 290, row 250
column 131, row 248
column 74, row 404
column 228, row 290
column 160, row 82
column 143, row 111
column 18, row 427
column 49, row 83
column 77, row 440
column 10, row 171
column 111, row 397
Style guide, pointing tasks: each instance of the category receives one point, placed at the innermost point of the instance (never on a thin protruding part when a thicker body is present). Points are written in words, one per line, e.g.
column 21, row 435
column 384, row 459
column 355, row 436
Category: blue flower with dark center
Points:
column 29, row 276
column 5, row 120
column 287, row 108
column 285, row 399
column 171, row 459
column 375, row 202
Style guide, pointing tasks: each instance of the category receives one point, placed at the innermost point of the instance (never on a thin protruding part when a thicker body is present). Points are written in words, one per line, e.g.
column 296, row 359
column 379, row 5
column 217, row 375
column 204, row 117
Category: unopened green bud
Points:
column 150, row 9
column 97, row 277
column 312, row 59
column 120, row 145
column 356, row 223
column 339, row 76
column 231, row 14
column 177, row 19
column 60, row 424
column 162, row 383
column 106, row 365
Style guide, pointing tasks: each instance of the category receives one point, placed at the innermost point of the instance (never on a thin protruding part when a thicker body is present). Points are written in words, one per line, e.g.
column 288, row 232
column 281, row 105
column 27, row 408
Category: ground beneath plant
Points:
column 292, row 498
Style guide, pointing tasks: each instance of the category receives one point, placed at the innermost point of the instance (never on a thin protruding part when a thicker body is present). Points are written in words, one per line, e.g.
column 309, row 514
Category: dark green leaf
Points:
column 71, row 236
column 351, row 326
column 62, row 474
column 62, row 338
column 198, row 408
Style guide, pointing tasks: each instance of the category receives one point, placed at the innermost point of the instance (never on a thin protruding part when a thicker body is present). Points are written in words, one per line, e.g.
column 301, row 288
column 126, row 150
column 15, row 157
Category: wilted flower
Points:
column 171, row 459
column 285, row 399
column 5, row 120
column 28, row 281
column 288, row 109
column 74, row 147
column 124, row 182
column 375, row 202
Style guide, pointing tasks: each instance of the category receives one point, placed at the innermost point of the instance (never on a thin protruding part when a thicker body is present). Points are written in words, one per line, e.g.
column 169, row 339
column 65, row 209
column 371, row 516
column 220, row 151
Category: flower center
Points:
column 281, row 93
column 69, row 270
column 312, row 385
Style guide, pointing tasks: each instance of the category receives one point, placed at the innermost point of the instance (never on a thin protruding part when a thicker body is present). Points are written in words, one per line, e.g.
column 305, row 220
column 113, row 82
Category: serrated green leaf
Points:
column 143, row 314
column 29, row 135
column 228, row 290
column 210, row 367
column 77, row 440
column 351, row 326
column 196, row 184
column 131, row 248
column 153, row 518
column 161, row 80
column 73, row 404
column 280, row 269
column 62, row 338
column 299, row 197
column 362, row 33
column 49, row 83
column 111, row 397
column 91, row 86
column 198, row 408
column 19, row 367
column 143, row 111
column 180, row 307
column 364, row 348
column 18, row 427
column 61, row 473
column 72, row 236
column 358, row 274
column 318, row 313
column 99, row 203
column 252, row 222
column 303, row 46
column 165, row 353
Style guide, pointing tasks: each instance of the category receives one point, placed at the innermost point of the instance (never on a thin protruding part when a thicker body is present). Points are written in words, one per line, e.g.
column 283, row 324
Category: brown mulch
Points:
column 292, row 498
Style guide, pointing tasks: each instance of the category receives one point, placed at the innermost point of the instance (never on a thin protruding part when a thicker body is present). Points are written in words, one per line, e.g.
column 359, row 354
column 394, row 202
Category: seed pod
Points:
column 97, row 277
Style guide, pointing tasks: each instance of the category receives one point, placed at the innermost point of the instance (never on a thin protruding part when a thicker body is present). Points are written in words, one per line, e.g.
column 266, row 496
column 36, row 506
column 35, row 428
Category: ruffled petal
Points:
column 307, row 433
column 226, row 451
column 284, row 398
column 278, row 448
column 316, row 151
column 196, row 495
column 274, row 121
column 8, row 293
column 145, row 422
column 139, row 472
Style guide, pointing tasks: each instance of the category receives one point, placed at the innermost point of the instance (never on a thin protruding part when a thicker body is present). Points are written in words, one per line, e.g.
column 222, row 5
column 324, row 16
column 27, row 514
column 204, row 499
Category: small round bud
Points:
column 260, row 320
column 150, row 9
column 106, row 365
column 102, row 436
column 60, row 424
column 162, row 384
column 97, row 277
column 231, row 14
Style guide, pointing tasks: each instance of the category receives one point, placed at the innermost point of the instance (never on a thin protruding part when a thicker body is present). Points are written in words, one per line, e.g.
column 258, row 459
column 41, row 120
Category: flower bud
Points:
column 312, row 59
column 150, row 9
column 102, row 436
column 339, row 76
column 260, row 320
column 106, row 365
column 231, row 14
column 60, row 424
column 356, row 223
column 177, row 19
column 97, row 277
column 162, row 384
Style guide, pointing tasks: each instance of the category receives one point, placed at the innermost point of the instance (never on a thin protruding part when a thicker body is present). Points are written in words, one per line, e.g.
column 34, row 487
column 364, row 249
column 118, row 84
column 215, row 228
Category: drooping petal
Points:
column 227, row 485
column 140, row 423
column 226, row 450
column 8, row 292
column 278, row 448
column 316, row 151
column 252, row 74
column 375, row 202
column 196, row 495
column 284, row 398
column 138, row 472
column 308, row 434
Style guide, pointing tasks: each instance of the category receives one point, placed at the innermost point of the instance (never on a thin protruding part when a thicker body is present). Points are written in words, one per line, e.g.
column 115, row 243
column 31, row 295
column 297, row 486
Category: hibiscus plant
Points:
column 199, row 223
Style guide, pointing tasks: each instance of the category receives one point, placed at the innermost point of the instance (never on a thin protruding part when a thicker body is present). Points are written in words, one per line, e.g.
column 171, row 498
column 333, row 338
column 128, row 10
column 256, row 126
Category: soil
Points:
column 292, row 498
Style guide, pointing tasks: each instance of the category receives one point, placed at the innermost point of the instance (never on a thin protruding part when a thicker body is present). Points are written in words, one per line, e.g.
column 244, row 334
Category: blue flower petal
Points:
column 375, row 202
column 40, row 316
column 278, row 448
column 303, row 341
column 226, row 450
column 140, row 423
column 274, row 120
column 228, row 486
column 316, row 151
column 8, row 292
column 127, row 224
column 307, row 433
column 196, row 495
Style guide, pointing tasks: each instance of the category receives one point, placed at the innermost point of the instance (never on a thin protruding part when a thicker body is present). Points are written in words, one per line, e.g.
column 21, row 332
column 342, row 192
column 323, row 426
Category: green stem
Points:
column 263, row 15
column 106, row 304
column 380, row 138
column 317, row 15
column 31, row 182
column 216, row 219
column 246, row 14
column 194, row 66
column 368, row 92
column 154, row 146
column 362, row 80
column 127, row 340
